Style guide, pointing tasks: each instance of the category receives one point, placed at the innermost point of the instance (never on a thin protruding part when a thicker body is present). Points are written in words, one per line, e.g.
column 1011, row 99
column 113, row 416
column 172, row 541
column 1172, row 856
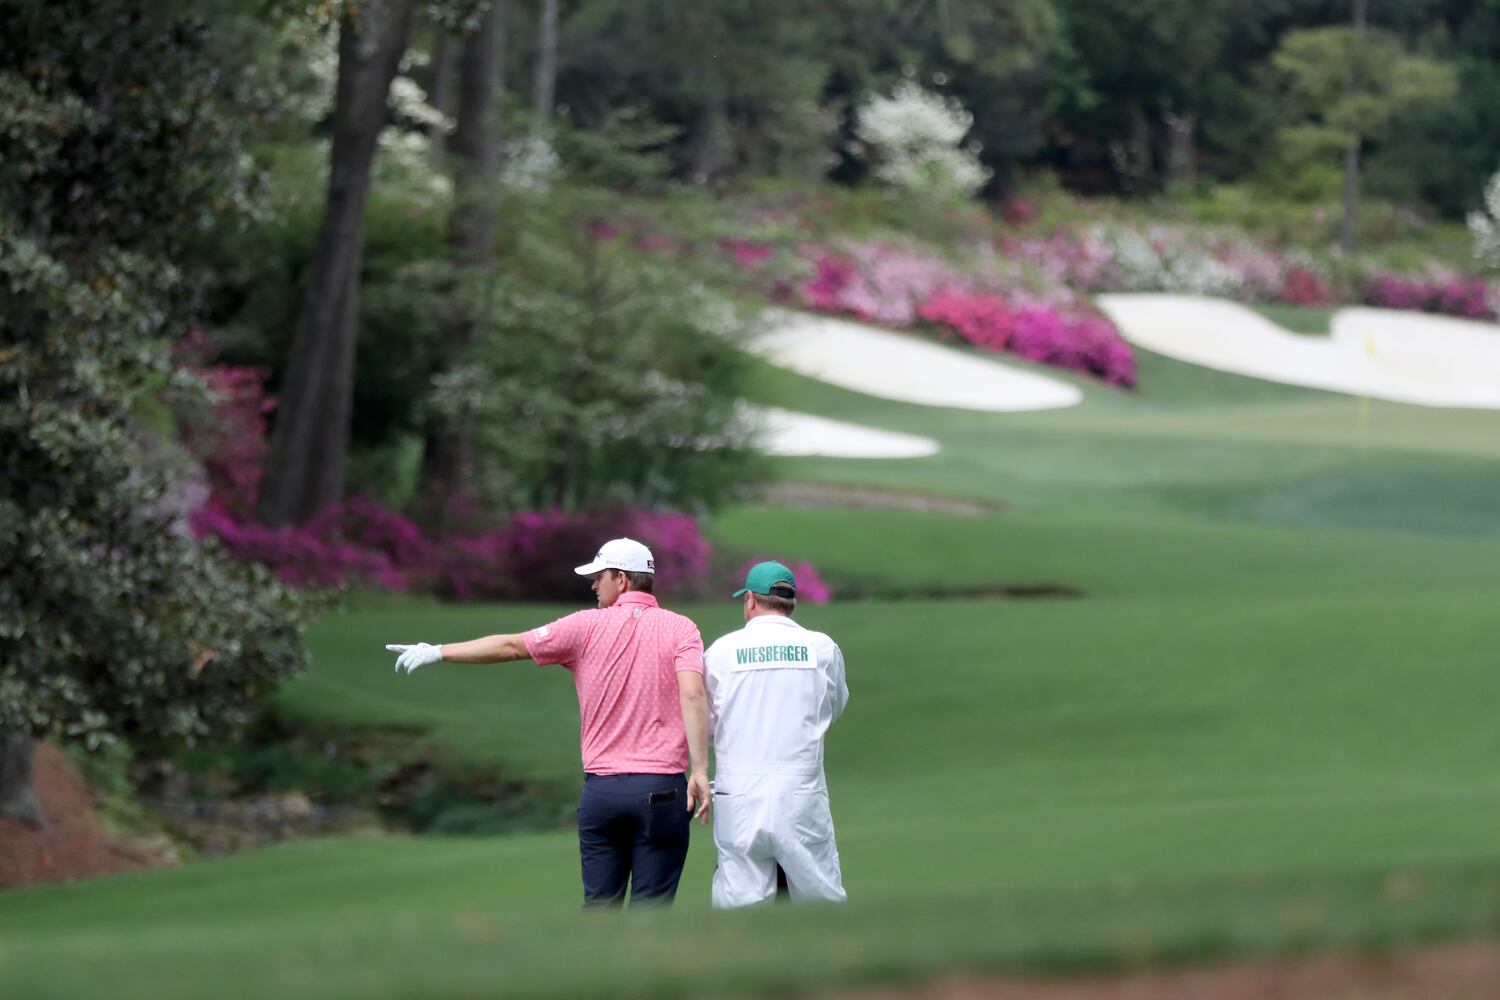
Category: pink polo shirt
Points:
column 625, row 659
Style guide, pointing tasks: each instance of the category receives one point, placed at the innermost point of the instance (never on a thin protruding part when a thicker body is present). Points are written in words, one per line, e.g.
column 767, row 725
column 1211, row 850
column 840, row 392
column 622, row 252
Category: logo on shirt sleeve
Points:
column 545, row 632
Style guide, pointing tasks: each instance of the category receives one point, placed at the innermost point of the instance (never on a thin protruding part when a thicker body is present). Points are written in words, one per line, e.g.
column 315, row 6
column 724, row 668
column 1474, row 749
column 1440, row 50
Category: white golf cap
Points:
column 623, row 554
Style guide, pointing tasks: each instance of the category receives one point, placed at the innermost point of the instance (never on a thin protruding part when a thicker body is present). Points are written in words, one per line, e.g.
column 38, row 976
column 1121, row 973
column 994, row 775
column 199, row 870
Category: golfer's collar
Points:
column 777, row 619
column 635, row 597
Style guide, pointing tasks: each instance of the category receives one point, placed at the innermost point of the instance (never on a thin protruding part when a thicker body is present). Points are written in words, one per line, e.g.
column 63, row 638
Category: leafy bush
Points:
column 123, row 142
column 604, row 371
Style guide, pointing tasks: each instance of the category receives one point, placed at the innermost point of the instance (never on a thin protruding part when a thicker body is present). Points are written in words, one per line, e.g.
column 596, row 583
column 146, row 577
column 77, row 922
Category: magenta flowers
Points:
column 1450, row 295
column 899, row 288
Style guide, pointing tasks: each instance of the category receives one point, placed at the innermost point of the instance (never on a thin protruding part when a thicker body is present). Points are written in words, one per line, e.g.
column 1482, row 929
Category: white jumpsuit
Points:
column 774, row 688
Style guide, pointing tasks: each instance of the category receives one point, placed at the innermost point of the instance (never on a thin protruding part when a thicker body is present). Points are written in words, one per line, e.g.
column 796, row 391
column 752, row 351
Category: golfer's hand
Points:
column 700, row 801
column 415, row 656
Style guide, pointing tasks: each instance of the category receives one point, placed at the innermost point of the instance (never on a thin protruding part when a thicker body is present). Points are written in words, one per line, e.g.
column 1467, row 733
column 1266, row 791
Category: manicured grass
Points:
column 1317, row 322
column 1050, row 783
column 1150, row 735
column 900, row 552
column 1266, row 723
column 401, row 919
column 1189, row 442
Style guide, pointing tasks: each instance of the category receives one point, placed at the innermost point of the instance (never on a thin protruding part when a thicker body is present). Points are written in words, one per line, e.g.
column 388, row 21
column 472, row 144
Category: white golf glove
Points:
column 415, row 656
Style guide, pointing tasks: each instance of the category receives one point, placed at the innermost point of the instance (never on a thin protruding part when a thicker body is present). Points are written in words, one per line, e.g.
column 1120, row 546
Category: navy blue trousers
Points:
column 632, row 830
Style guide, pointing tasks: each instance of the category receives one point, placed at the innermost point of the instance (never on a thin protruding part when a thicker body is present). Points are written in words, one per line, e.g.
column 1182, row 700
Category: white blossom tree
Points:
column 916, row 140
column 1485, row 225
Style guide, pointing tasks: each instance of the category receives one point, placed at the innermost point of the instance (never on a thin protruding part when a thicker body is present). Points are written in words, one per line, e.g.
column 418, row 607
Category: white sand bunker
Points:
column 1400, row 356
column 782, row 432
column 903, row 368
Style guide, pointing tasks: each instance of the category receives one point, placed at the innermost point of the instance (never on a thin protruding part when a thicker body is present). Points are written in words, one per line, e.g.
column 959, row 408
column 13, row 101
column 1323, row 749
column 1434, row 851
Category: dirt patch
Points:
column 75, row 844
column 1451, row 972
column 870, row 498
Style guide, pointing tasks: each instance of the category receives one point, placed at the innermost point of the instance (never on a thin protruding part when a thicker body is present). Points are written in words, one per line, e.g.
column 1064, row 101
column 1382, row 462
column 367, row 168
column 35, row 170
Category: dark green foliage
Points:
column 411, row 782
column 119, row 125
column 605, row 369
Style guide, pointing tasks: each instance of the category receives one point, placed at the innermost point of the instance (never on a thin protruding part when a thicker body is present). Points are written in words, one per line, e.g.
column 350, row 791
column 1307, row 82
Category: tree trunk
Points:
column 714, row 143
column 1182, row 150
column 544, row 87
column 441, row 95
column 1133, row 157
column 475, row 153
column 1349, row 225
column 17, row 793
column 304, row 471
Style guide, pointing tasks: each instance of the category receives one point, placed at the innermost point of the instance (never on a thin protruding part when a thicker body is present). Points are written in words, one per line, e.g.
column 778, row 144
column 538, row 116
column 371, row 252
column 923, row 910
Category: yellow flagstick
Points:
column 1364, row 400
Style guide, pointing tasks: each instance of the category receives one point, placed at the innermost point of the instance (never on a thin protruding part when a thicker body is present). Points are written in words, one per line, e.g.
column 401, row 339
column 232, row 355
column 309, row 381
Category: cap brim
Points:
column 589, row 569
column 741, row 592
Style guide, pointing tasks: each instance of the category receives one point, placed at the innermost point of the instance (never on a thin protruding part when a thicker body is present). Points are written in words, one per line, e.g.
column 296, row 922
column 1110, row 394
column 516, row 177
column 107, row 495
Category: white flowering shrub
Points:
column 916, row 140
column 405, row 163
column 410, row 102
column 531, row 164
column 1485, row 225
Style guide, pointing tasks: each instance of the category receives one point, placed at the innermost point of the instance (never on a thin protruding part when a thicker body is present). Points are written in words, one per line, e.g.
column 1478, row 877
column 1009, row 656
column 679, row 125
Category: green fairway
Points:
column 1296, row 318
column 1264, row 720
column 394, row 918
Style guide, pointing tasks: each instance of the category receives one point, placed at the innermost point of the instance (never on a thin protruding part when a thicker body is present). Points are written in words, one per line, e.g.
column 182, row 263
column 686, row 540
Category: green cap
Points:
column 767, row 575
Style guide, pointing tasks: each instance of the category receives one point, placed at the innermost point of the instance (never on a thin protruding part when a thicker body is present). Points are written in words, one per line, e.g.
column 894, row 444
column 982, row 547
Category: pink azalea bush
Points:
column 529, row 556
column 231, row 443
column 316, row 554
column 1448, row 294
column 533, row 555
column 748, row 254
column 1163, row 258
column 877, row 283
column 1301, row 287
column 899, row 288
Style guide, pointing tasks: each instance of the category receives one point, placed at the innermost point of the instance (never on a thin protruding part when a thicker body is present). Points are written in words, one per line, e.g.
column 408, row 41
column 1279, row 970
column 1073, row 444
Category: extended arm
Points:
column 490, row 649
column 694, row 699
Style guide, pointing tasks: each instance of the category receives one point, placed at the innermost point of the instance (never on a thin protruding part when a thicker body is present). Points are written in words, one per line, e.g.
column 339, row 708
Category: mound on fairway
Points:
column 783, row 432
column 902, row 368
column 1402, row 357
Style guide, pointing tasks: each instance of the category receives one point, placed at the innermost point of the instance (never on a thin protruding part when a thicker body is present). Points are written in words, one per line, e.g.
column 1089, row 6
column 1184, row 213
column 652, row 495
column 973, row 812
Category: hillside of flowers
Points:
column 1231, row 264
column 1028, row 292
column 902, row 288
column 524, row 555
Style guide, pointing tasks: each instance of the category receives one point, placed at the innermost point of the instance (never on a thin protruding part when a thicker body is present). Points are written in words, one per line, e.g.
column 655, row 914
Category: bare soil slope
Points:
column 75, row 843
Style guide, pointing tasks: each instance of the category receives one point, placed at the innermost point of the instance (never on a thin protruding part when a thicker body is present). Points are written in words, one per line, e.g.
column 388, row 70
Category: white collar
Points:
column 776, row 619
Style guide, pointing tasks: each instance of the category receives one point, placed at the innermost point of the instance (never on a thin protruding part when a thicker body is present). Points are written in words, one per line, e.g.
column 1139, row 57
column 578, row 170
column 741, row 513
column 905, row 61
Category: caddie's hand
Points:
column 700, row 800
column 415, row 656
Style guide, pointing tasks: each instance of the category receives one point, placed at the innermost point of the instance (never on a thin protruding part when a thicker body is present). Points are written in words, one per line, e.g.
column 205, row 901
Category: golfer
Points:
column 639, row 673
column 774, row 688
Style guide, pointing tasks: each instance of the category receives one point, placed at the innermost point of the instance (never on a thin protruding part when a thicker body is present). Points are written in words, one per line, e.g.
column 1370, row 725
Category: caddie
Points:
column 638, row 669
column 774, row 688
